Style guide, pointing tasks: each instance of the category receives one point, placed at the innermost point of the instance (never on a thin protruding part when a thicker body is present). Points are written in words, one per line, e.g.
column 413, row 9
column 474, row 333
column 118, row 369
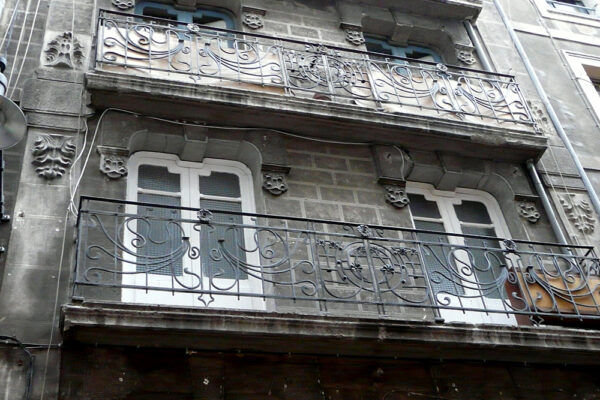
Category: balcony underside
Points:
column 236, row 106
column 227, row 330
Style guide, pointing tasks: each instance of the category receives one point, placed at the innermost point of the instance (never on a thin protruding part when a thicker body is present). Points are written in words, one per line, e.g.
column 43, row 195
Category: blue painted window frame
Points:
column 405, row 51
column 186, row 17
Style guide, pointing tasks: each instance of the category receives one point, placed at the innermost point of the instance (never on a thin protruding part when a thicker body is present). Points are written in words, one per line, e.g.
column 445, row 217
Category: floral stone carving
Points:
column 396, row 196
column 123, row 4
column 354, row 34
column 579, row 212
column 64, row 50
column 113, row 162
column 465, row 54
column 52, row 155
column 529, row 211
column 274, row 183
column 253, row 17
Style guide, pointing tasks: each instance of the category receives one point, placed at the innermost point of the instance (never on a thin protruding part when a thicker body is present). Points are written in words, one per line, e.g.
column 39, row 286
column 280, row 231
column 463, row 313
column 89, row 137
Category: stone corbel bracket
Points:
column 464, row 54
column 354, row 33
column 253, row 17
column 527, row 207
column 113, row 161
column 275, row 178
column 393, row 166
column 395, row 191
column 52, row 155
column 64, row 51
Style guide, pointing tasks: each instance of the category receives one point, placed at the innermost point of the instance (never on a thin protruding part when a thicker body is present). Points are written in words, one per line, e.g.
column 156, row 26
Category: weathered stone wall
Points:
column 123, row 373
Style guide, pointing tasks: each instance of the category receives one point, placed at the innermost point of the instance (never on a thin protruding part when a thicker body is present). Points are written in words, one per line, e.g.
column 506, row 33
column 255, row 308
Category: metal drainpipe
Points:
column 546, row 203
column 539, row 187
column 555, row 121
column 485, row 62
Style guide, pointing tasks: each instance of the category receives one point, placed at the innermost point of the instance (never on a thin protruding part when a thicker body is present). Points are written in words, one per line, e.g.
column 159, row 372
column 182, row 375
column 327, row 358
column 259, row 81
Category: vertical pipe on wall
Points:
column 539, row 187
column 551, row 113
column 483, row 58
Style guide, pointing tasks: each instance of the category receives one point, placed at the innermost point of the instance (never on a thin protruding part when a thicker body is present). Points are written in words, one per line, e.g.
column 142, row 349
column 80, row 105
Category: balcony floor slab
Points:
column 230, row 330
column 315, row 118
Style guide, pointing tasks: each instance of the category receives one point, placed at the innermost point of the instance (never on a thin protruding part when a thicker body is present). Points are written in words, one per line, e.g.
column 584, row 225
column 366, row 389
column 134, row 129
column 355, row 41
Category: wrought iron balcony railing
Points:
column 152, row 253
column 165, row 49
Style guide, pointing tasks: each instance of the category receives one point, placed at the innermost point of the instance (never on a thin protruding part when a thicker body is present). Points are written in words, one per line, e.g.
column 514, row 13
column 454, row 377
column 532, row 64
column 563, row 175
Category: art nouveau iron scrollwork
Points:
column 211, row 56
column 384, row 269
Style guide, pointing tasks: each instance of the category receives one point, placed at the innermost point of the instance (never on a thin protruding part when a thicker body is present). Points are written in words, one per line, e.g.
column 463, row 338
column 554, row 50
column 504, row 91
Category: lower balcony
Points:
column 163, row 276
column 181, row 257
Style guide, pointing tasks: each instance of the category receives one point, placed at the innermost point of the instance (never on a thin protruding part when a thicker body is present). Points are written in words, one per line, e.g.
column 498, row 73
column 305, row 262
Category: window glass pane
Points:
column 442, row 273
column 213, row 21
column 158, row 12
column 229, row 252
column 486, row 262
column 472, row 211
column 160, row 248
column 377, row 47
column 158, row 178
column 420, row 207
column 220, row 184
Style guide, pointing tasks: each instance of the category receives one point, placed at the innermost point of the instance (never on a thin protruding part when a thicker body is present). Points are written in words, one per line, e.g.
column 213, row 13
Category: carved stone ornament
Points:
column 123, row 4
column 396, row 196
column 64, row 50
column 541, row 121
column 253, row 17
column 465, row 54
column 274, row 183
column 579, row 212
column 113, row 162
column 354, row 34
column 52, row 155
column 529, row 211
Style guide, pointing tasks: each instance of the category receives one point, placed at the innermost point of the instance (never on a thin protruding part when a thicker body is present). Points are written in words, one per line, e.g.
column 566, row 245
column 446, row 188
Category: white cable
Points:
column 37, row 9
column 18, row 46
column 10, row 24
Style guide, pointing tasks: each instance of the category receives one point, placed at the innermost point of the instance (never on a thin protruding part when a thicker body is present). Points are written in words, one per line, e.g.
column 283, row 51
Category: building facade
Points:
column 336, row 199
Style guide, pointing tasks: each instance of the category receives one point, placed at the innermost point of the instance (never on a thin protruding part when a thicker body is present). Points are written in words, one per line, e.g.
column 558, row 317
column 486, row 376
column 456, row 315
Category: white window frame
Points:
column 585, row 68
column 568, row 16
column 446, row 201
column 188, row 170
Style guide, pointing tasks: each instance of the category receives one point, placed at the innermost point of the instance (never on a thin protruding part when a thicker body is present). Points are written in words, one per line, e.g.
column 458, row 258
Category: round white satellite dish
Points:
column 13, row 124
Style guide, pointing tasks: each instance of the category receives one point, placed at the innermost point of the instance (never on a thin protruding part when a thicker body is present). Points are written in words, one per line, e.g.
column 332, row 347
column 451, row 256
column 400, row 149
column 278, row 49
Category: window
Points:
column 571, row 5
column 412, row 52
column 212, row 18
column 158, row 234
column 462, row 278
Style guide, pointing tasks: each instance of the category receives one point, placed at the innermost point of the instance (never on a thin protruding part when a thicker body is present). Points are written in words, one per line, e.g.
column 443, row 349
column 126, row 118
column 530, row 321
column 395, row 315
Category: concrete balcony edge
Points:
column 231, row 330
column 311, row 117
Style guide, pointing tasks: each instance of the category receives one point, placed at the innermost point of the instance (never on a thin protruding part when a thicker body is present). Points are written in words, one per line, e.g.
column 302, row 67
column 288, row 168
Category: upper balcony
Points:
column 143, row 64
column 174, row 270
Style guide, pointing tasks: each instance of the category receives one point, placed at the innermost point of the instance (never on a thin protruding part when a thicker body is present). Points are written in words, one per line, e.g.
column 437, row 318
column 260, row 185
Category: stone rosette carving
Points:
column 275, row 178
column 113, row 162
column 274, row 183
column 64, row 51
column 579, row 211
column 541, row 120
column 53, row 155
column 354, row 34
column 529, row 211
column 527, row 207
column 123, row 4
column 396, row 195
column 253, row 17
column 465, row 54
